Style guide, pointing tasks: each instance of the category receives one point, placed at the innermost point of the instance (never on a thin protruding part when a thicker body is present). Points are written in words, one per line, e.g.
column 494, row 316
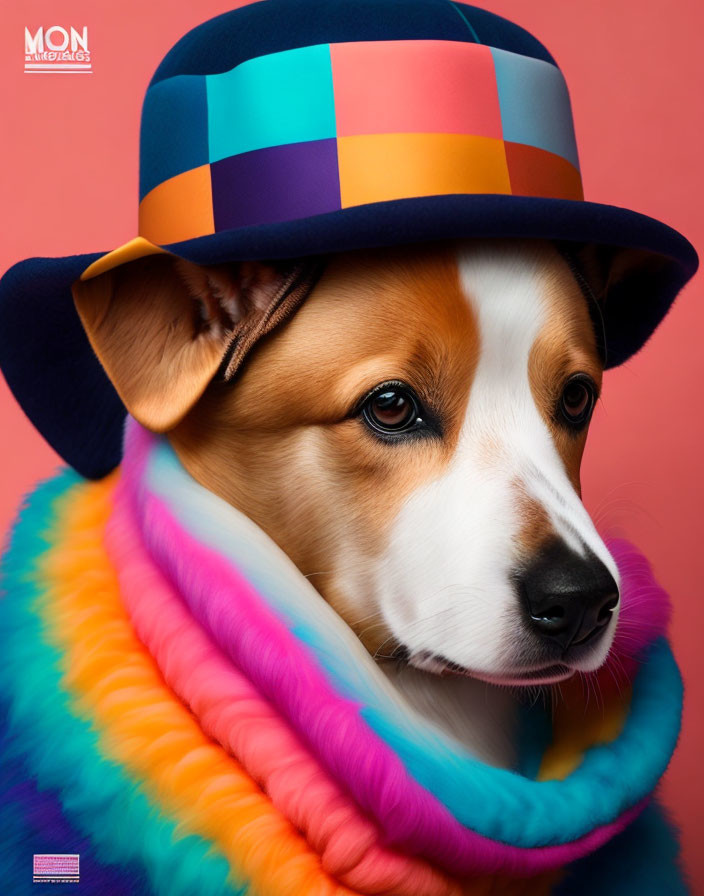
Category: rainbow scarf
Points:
column 186, row 712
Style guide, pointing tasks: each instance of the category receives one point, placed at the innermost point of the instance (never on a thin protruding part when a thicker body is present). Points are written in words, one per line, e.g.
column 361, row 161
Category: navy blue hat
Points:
column 289, row 128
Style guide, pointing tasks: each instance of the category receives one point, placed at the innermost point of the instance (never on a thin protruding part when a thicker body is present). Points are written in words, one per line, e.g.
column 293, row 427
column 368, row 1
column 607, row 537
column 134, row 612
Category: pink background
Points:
column 68, row 183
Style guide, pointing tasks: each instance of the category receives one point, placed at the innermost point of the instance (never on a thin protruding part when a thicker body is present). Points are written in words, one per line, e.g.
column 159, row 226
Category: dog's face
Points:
column 412, row 439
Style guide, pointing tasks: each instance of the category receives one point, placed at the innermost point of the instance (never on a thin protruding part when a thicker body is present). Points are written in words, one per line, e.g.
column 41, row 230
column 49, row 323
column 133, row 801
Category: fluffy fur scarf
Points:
column 183, row 709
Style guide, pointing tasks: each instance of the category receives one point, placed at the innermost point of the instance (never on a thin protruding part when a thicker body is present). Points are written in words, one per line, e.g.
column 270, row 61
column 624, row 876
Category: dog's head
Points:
column 412, row 438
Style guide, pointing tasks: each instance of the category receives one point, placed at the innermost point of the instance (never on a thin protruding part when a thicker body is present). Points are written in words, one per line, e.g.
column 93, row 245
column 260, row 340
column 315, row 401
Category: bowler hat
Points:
column 290, row 128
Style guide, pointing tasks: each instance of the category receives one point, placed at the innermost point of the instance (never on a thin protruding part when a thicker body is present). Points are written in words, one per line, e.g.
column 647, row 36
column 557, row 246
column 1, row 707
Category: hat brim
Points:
column 55, row 376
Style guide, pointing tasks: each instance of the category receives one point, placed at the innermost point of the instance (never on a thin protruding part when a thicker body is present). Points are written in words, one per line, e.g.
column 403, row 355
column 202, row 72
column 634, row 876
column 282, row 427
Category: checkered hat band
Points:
column 317, row 129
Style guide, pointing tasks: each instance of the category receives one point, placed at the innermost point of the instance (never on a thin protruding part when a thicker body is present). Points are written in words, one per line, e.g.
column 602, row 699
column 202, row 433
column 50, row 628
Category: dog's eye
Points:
column 392, row 408
column 577, row 400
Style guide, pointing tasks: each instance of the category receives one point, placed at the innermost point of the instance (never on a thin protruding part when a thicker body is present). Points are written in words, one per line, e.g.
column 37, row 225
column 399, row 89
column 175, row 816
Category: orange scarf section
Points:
column 117, row 685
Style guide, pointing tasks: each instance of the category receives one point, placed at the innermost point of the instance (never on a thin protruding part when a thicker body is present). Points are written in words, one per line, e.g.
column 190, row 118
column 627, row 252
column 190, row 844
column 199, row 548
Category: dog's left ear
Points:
column 604, row 267
column 614, row 281
column 163, row 327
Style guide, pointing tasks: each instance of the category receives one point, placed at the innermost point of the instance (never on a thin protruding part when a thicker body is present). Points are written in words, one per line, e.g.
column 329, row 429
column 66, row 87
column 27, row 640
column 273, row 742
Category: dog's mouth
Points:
column 528, row 677
column 440, row 665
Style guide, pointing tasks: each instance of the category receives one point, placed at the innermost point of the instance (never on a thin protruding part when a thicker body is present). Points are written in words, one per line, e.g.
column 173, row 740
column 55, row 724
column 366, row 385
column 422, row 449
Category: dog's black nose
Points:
column 569, row 598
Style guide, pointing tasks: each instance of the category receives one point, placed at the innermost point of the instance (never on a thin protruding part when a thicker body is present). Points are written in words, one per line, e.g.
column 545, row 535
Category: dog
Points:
column 411, row 439
column 285, row 629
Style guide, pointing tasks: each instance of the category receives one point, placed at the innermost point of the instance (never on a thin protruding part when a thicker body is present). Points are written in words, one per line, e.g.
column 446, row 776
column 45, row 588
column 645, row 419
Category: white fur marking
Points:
column 444, row 583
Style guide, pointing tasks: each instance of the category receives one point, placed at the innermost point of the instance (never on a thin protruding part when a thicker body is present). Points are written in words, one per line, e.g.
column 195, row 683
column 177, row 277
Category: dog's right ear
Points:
column 161, row 327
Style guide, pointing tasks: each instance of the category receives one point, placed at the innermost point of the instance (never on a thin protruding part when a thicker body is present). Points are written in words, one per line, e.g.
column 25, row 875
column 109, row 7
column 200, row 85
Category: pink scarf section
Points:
column 255, row 690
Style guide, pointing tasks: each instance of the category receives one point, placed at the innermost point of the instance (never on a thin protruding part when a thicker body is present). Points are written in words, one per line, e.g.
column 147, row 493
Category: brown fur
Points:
column 281, row 443
column 565, row 346
column 282, row 446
